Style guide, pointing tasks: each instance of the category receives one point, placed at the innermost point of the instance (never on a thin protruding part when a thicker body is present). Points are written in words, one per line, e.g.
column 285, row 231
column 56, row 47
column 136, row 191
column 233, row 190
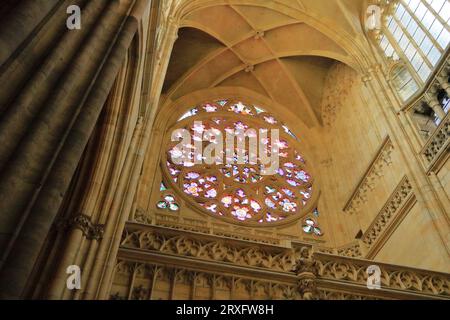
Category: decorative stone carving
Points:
column 236, row 286
column 336, row 295
column 140, row 293
column 352, row 250
column 83, row 222
column 370, row 178
column 307, row 288
column 141, row 216
column 392, row 277
column 334, row 278
column 116, row 296
column 394, row 204
column 249, row 68
column 295, row 272
column 219, row 229
column 338, row 86
column 259, row 34
column 158, row 239
column 306, row 270
column 305, row 263
column 438, row 143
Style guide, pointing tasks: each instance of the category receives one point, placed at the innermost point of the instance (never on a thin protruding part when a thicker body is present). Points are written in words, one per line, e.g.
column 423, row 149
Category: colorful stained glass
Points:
column 316, row 212
column 311, row 227
column 270, row 119
column 222, row 102
column 236, row 188
column 241, row 108
column 259, row 110
column 210, row 107
column 169, row 203
column 188, row 114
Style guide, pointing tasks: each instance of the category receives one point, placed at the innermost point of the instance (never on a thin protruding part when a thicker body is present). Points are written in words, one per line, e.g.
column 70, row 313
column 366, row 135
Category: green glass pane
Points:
column 161, row 205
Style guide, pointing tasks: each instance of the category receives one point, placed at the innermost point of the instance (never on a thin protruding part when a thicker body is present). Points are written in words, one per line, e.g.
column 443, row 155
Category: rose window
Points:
column 223, row 168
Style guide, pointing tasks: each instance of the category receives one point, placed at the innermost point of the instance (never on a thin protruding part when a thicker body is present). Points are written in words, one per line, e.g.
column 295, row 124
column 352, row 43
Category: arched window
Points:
column 418, row 33
column 403, row 82
column 237, row 185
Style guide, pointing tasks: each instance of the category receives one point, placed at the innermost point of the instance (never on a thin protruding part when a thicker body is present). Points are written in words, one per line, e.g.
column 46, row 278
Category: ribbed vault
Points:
column 257, row 47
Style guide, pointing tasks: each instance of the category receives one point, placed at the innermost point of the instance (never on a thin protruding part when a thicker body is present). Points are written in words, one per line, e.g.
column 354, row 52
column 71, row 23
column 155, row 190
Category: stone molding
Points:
column 394, row 210
column 338, row 86
column 215, row 228
column 302, row 272
column 393, row 278
column 203, row 247
column 250, row 287
column 367, row 183
column 436, row 150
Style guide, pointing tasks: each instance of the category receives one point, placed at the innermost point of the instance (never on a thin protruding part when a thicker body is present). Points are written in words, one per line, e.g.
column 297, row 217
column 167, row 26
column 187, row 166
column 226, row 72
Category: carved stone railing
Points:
column 396, row 281
column 208, row 247
column 214, row 228
column 152, row 259
column 369, row 179
column 436, row 150
column 355, row 249
column 389, row 216
column 91, row 231
column 352, row 250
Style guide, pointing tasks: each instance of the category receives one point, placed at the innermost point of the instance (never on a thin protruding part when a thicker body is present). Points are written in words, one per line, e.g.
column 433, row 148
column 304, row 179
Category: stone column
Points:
column 434, row 103
column 43, row 80
column 306, row 274
column 20, row 23
column 34, row 127
column 110, row 39
column 103, row 259
column 443, row 82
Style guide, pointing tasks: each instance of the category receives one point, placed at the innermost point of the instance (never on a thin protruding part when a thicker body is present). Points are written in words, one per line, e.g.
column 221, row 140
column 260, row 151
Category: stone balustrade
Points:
column 194, row 265
column 435, row 149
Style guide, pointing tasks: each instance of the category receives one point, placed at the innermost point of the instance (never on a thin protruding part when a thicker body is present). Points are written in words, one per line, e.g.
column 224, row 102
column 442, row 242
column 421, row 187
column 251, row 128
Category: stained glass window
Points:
column 310, row 226
column 168, row 202
column 238, row 191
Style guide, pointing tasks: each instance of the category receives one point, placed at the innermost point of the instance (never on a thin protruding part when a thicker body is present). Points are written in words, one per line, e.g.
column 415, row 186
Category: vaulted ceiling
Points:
column 256, row 45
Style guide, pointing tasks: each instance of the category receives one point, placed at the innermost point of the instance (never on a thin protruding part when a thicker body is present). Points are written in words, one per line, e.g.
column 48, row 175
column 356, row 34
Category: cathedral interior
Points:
column 92, row 91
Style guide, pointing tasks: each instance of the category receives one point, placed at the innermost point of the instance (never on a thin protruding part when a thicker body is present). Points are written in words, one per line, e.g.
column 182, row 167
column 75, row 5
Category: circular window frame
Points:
column 294, row 144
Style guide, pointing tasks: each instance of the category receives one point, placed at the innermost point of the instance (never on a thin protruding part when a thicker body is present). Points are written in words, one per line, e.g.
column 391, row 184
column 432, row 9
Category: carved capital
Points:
column 307, row 288
column 83, row 222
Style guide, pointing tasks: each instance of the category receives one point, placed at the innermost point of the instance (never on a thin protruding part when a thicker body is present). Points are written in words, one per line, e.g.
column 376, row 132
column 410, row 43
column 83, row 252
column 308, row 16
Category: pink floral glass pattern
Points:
column 240, row 192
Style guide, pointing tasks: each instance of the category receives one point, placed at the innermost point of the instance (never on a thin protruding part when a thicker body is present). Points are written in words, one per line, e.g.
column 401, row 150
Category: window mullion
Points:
column 414, row 43
column 401, row 54
column 436, row 15
column 421, row 26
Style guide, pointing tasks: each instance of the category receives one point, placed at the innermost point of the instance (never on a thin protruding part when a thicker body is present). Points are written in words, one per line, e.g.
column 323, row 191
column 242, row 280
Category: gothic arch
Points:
column 170, row 112
column 357, row 51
